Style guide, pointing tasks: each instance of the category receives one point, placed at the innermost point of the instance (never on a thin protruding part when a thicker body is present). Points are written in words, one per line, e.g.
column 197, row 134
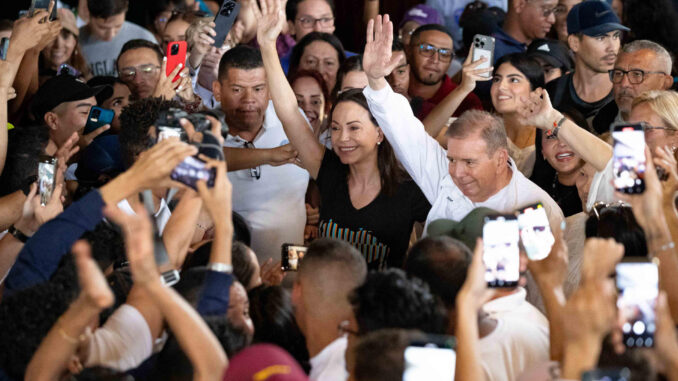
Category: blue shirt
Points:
column 505, row 44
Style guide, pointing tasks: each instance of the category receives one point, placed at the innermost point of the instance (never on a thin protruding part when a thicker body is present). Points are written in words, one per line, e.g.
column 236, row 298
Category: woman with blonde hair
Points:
column 659, row 110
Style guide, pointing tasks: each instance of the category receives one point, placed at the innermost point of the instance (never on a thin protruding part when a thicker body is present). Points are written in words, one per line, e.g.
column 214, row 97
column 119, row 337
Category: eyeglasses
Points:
column 635, row 76
column 256, row 171
column 344, row 329
column 559, row 10
column 600, row 206
column 309, row 22
column 428, row 50
column 129, row 73
column 546, row 12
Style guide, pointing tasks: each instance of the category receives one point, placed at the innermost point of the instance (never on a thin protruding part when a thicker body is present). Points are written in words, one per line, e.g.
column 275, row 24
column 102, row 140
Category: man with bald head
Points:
column 330, row 270
column 641, row 66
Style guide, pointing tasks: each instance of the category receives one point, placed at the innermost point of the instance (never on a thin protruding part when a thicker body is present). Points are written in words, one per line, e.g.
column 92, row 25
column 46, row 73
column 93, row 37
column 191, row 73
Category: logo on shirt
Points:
column 375, row 252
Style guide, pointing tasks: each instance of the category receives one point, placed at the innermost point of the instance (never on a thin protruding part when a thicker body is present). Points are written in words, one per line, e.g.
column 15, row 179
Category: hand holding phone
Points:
column 535, row 232
column 47, row 168
column 483, row 47
column 98, row 117
column 224, row 21
column 501, row 254
column 629, row 158
column 638, row 285
column 291, row 255
column 4, row 45
column 176, row 54
column 44, row 4
column 192, row 169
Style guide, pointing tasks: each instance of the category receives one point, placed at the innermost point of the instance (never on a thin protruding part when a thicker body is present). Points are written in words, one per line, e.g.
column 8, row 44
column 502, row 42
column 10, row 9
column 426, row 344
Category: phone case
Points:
column 224, row 21
column 176, row 54
column 483, row 46
column 98, row 117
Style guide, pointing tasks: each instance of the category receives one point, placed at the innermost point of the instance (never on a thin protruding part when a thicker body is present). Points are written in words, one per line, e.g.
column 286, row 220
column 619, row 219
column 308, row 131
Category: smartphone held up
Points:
column 291, row 255
column 629, row 158
column 47, row 167
column 500, row 250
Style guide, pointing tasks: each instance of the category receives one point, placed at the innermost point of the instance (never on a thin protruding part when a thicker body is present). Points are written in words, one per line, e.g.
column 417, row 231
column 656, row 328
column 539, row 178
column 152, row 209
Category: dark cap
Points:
column 593, row 18
column 468, row 230
column 62, row 89
column 422, row 15
column 264, row 362
column 101, row 157
column 554, row 52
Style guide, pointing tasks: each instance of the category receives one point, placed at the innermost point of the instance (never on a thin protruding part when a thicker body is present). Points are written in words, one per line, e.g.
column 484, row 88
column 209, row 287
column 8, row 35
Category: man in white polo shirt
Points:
column 271, row 199
column 475, row 171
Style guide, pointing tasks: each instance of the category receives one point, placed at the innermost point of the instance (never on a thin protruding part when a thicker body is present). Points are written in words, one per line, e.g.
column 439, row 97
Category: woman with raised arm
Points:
column 366, row 198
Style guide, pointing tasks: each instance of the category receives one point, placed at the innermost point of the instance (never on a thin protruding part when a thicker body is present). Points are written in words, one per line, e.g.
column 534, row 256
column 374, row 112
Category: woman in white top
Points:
column 516, row 76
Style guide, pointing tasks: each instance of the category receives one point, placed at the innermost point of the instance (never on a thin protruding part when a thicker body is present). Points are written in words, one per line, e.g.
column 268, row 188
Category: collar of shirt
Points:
column 506, row 303
column 508, row 40
column 330, row 358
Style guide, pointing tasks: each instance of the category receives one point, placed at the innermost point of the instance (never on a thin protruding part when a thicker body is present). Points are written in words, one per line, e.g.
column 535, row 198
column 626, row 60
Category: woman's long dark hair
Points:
column 390, row 171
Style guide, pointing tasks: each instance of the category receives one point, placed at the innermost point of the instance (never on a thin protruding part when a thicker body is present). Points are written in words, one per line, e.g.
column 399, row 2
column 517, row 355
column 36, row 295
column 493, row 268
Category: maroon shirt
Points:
column 471, row 102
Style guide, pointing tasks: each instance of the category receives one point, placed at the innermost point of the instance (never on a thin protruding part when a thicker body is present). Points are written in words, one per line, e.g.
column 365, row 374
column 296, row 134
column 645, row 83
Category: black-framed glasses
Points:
column 309, row 22
column 428, row 50
column 129, row 73
column 256, row 171
column 344, row 329
column 635, row 76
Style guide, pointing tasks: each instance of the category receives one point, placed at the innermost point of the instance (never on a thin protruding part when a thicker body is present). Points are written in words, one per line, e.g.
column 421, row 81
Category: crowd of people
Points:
column 278, row 207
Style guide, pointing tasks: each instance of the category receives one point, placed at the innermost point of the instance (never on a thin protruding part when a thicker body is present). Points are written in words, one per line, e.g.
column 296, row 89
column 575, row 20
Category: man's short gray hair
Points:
column 663, row 56
column 490, row 127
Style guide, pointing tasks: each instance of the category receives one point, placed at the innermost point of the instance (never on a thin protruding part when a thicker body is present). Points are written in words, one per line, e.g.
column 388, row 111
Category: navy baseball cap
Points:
column 61, row 89
column 593, row 18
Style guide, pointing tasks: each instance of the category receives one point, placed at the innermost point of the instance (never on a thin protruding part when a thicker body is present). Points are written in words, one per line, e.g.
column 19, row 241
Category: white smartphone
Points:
column 535, row 232
column 483, row 46
column 638, row 284
column 500, row 250
column 432, row 359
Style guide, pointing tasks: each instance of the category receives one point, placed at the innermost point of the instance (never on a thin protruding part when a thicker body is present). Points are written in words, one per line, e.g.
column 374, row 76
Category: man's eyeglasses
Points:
column 635, row 76
column 344, row 329
column 546, row 12
column 256, row 171
column 428, row 50
column 309, row 22
column 129, row 73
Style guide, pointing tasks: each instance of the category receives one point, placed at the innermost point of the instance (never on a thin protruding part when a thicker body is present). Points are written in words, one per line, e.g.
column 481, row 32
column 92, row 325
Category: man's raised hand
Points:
column 271, row 18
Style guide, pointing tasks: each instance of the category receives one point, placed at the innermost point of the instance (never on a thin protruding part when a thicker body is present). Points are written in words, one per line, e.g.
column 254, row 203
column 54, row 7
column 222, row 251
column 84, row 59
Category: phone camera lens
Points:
column 96, row 113
column 175, row 49
column 482, row 43
column 477, row 39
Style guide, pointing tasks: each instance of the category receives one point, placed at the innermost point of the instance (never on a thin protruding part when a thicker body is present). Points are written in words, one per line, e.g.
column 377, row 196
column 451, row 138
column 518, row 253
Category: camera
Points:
column 169, row 119
column 174, row 50
column 227, row 9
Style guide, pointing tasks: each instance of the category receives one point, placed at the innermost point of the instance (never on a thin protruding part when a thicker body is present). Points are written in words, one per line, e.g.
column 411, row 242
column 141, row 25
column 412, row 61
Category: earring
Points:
column 378, row 143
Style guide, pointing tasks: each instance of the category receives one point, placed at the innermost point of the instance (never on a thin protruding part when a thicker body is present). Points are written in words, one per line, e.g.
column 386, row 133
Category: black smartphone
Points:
column 47, row 167
column 612, row 374
column 43, row 4
column 192, row 169
column 4, row 45
column 224, row 21
column 535, row 232
column 638, row 285
column 431, row 359
column 501, row 254
column 629, row 158
column 291, row 255
column 98, row 117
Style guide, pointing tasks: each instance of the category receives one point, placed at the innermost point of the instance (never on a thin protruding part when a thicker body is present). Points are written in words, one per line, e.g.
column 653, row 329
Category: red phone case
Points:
column 173, row 60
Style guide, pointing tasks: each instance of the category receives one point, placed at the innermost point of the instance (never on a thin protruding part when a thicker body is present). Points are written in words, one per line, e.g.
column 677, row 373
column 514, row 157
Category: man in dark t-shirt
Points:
column 594, row 36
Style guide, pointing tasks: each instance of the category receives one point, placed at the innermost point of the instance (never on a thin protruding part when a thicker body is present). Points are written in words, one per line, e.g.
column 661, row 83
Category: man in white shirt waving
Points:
column 475, row 171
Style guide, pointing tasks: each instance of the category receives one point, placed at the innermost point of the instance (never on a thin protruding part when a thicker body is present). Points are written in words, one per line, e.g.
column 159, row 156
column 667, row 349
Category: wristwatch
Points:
column 18, row 234
column 220, row 267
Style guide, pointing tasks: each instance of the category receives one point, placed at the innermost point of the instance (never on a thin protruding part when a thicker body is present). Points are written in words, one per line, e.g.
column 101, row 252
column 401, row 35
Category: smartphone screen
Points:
column 291, row 255
column 535, row 232
column 638, row 285
column 619, row 374
column 483, row 46
column 4, row 45
column 224, row 21
column 46, row 178
column 191, row 170
column 629, row 158
column 501, row 255
column 430, row 360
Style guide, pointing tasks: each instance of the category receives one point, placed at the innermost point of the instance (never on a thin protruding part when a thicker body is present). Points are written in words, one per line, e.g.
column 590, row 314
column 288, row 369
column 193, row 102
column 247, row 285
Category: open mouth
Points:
column 565, row 156
column 347, row 149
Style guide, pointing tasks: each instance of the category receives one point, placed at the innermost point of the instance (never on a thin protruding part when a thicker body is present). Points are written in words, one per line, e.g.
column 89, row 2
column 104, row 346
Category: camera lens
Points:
column 175, row 49
column 96, row 113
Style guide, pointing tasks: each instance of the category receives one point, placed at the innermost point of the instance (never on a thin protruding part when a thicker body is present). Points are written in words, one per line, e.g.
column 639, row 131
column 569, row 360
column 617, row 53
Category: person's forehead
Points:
column 642, row 112
column 643, row 59
column 237, row 293
column 320, row 49
column 69, row 106
column 176, row 26
column 138, row 56
column 468, row 147
column 436, row 38
column 120, row 90
column 314, row 8
column 115, row 20
column 246, row 77
column 306, row 85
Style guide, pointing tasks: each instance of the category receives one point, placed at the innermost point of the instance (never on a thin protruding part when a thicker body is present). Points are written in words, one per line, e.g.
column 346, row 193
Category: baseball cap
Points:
column 422, row 15
column 67, row 20
column 593, row 18
column 264, row 362
column 61, row 89
column 101, row 157
column 468, row 230
column 554, row 52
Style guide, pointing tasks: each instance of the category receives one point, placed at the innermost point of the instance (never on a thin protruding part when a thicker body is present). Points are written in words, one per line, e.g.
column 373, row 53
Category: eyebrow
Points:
column 515, row 76
column 84, row 104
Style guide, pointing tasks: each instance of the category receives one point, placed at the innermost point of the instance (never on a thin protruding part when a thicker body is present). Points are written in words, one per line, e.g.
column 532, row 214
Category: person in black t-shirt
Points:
column 595, row 37
column 561, row 184
column 366, row 198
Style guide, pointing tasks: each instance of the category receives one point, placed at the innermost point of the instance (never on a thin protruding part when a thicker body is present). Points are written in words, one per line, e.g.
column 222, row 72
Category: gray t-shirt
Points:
column 101, row 55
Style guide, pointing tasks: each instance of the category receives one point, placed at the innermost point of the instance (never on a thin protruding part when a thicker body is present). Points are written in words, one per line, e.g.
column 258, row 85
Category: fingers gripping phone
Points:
column 43, row 4
column 500, row 250
column 431, row 359
column 176, row 54
column 638, row 285
column 224, row 21
column 629, row 158
column 291, row 255
column 98, row 117
column 47, row 167
column 191, row 170
column 483, row 46
column 535, row 232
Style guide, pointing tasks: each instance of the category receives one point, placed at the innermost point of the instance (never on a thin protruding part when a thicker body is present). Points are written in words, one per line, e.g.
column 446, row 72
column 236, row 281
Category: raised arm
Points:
column 538, row 111
column 245, row 158
column 271, row 20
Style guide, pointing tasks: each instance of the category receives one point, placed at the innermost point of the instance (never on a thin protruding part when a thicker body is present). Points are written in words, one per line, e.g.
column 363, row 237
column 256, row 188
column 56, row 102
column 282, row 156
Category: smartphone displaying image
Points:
column 535, row 232
column 4, row 45
column 620, row 374
column 638, row 284
column 66, row 69
column 192, row 169
column 224, row 21
column 432, row 359
column 483, row 46
column 291, row 255
column 501, row 255
column 176, row 54
column 98, row 117
column 629, row 158
column 46, row 178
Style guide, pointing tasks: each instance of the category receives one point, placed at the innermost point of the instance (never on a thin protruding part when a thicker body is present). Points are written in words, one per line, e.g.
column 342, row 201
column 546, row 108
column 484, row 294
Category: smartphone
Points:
column 23, row 13
column 4, row 45
column 176, row 54
column 192, row 169
column 47, row 167
column 98, row 117
column 431, row 359
column 66, row 69
column 613, row 374
column 638, row 285
column 224, row 21
column 535, row 232
column 501, row 254
column 483, row 46
column 629, row 158
column 43, row 4
column 291, row 255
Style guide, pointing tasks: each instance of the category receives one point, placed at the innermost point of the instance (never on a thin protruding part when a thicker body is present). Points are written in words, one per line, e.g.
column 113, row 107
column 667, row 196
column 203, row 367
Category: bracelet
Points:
column 220, row 267
column 69, row 338
column 18, row 234
column 553, row 133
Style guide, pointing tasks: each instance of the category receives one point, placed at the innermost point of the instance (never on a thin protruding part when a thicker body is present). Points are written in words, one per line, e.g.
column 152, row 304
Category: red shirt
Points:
column 471, row 102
